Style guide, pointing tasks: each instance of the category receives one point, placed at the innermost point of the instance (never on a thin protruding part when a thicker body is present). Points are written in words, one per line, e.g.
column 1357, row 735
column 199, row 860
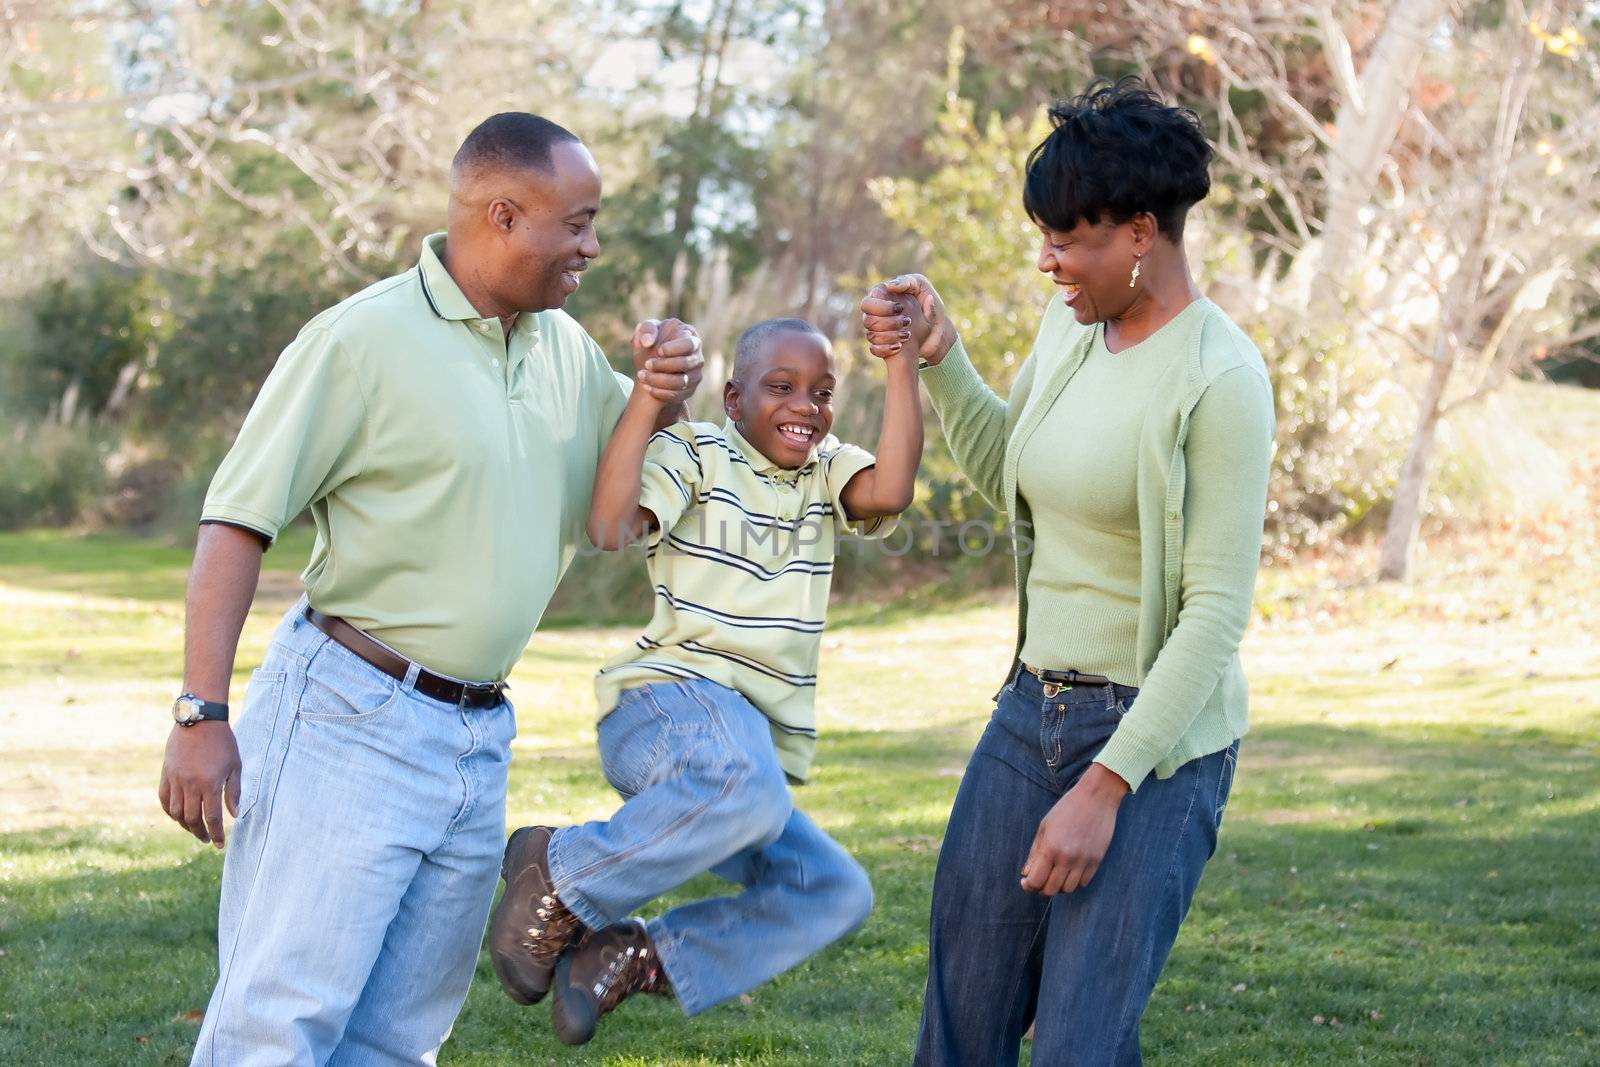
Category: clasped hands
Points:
column 667, row 362
column 904, row 315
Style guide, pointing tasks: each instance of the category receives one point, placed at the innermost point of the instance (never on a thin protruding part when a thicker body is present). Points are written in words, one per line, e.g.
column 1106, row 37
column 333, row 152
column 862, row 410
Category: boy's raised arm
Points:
column 615, row 518
column 886, row 488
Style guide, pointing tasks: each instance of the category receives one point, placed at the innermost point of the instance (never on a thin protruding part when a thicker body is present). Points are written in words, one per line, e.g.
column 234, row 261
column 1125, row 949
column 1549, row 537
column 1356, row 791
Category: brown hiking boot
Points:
column 530, row 926
column 604, row 970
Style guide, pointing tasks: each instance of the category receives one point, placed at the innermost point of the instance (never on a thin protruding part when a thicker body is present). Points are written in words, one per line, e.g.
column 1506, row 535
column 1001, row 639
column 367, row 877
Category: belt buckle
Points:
column 477, row 689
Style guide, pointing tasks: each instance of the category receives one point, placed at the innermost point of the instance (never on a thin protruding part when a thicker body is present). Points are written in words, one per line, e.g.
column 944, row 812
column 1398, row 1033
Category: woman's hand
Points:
column 906, row 311
column 1074, row 836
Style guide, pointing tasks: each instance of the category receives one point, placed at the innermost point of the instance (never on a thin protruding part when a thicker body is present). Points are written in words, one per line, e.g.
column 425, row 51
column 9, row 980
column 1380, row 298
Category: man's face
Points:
column 785, row 404
column 548, row 230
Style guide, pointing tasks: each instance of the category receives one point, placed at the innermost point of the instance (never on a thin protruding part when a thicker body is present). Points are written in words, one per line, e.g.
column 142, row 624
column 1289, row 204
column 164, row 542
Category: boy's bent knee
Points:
column 854, row 897
column 755, row 803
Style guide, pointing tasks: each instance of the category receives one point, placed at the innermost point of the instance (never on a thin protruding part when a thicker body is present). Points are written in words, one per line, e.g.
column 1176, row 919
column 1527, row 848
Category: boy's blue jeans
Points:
column 704, row 791
column 1080, row 965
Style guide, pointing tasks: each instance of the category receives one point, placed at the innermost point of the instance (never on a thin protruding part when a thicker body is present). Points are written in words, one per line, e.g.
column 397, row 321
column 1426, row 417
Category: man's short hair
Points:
column 754, row 341
column 1117, row 150
column 511, row 140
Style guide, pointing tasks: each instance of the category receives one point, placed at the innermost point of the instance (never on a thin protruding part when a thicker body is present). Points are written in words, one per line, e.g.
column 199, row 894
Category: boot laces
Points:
column 552, row 930
column 629, row 969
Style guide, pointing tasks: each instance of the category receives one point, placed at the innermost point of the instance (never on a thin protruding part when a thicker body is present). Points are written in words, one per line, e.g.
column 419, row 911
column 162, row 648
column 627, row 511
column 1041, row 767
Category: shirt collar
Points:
column 758, row 459
column 440, row 290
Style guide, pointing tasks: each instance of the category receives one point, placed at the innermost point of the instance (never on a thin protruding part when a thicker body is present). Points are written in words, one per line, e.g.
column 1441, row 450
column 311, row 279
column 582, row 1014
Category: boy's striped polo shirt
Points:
column 741, row 565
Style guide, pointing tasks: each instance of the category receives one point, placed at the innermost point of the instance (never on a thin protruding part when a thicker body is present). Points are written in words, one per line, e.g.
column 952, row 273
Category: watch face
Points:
column 185, row 711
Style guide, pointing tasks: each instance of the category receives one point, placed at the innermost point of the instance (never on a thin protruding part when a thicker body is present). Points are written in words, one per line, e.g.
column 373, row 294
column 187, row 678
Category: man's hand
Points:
column 666, row 359
column 1074, row 836
column 906, row 312
column 200, row 771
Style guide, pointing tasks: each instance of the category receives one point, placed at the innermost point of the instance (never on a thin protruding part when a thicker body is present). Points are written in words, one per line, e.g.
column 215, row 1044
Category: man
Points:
column 443, row 426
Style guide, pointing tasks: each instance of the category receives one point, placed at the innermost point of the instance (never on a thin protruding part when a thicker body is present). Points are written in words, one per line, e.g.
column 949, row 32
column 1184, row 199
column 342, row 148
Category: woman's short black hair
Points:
column 1117, row 150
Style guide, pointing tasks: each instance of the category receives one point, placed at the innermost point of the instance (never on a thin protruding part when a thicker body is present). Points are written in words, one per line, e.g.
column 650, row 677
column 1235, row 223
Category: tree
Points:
column 1399, row 205
column 1487, row 291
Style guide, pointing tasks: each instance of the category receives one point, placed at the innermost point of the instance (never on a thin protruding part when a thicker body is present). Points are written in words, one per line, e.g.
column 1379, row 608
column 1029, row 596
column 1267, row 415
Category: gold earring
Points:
column 1135, row 275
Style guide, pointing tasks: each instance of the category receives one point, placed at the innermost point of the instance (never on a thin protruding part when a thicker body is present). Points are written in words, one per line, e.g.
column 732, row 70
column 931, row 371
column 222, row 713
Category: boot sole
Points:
column 571, row 1015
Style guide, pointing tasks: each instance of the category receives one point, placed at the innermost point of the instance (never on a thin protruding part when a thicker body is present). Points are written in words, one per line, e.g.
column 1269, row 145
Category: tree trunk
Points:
column 702, row 123
column 1411, row 492
column 1364, row 129
column 1457, row 317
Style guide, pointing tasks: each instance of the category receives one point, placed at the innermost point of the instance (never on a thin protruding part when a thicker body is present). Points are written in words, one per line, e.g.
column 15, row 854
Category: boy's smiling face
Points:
column 782, row 401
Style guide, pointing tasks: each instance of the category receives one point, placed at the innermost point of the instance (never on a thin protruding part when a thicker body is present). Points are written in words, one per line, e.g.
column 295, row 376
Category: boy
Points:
column 710, row 711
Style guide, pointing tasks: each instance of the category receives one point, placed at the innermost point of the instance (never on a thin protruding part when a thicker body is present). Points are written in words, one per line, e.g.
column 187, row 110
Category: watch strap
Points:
column 206, row 710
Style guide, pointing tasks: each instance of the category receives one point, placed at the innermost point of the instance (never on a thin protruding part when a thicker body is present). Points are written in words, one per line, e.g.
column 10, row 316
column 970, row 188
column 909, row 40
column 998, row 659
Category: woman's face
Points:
column 1092, row 263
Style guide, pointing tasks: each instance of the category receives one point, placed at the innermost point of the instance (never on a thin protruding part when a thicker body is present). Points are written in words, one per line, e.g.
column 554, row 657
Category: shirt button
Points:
column 494, row 362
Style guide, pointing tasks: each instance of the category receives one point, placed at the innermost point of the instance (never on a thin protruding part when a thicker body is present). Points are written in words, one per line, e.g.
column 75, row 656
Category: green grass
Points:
column 1406, row 873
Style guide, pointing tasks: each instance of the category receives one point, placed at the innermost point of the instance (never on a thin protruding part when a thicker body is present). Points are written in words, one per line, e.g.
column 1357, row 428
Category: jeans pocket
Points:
column 1230, row 760
column 632, row 738
column 341, row 687
column 254, row 732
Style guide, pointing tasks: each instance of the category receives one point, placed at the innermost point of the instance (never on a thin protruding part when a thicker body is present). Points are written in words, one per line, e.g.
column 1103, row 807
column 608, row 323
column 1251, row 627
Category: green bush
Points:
column 1342, row 430
column 49, row 474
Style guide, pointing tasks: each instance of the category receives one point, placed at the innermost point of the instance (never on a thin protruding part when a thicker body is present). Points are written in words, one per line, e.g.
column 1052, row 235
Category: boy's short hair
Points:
column 753, row 342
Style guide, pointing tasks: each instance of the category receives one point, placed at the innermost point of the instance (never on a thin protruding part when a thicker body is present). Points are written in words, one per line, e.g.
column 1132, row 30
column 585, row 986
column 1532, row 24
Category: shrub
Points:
column 49, row 474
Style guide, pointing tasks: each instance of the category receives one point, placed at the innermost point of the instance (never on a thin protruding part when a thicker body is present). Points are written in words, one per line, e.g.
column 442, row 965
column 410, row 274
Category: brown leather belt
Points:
column 464, row 694
column 1067, row 678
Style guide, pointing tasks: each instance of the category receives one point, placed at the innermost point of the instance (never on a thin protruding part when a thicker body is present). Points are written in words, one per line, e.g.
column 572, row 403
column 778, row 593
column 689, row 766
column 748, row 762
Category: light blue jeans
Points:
column 359, row 873
column 704, row 791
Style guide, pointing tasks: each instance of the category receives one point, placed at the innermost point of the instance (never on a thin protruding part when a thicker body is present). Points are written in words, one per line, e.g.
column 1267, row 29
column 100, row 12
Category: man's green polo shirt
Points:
column 448, row 467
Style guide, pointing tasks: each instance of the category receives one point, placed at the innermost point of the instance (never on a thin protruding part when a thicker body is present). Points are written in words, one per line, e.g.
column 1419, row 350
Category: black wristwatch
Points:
column 190, row 709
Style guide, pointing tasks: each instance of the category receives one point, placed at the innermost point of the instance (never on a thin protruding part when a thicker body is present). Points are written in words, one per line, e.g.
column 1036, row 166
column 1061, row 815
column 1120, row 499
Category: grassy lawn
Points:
column 1407, row 872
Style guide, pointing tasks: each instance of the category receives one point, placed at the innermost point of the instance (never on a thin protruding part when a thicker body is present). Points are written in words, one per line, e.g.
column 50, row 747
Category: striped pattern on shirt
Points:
column 741, row 564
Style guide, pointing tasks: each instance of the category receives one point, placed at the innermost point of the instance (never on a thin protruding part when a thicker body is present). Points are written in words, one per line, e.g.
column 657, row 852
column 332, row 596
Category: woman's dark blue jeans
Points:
column 1079, row 966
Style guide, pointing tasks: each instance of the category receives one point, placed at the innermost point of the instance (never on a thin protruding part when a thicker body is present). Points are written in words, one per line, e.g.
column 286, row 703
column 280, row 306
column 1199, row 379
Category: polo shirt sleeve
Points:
column 303, row 437
column 614, row 393
column 839, row 465
column 669, row 483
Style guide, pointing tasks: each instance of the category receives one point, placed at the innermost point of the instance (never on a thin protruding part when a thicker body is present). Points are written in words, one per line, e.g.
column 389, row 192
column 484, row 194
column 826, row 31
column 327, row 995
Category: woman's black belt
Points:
column 1066, row 677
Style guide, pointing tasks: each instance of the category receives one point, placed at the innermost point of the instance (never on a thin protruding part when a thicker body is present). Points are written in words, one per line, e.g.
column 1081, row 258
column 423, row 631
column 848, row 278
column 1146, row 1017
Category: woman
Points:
column 1136, row 443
